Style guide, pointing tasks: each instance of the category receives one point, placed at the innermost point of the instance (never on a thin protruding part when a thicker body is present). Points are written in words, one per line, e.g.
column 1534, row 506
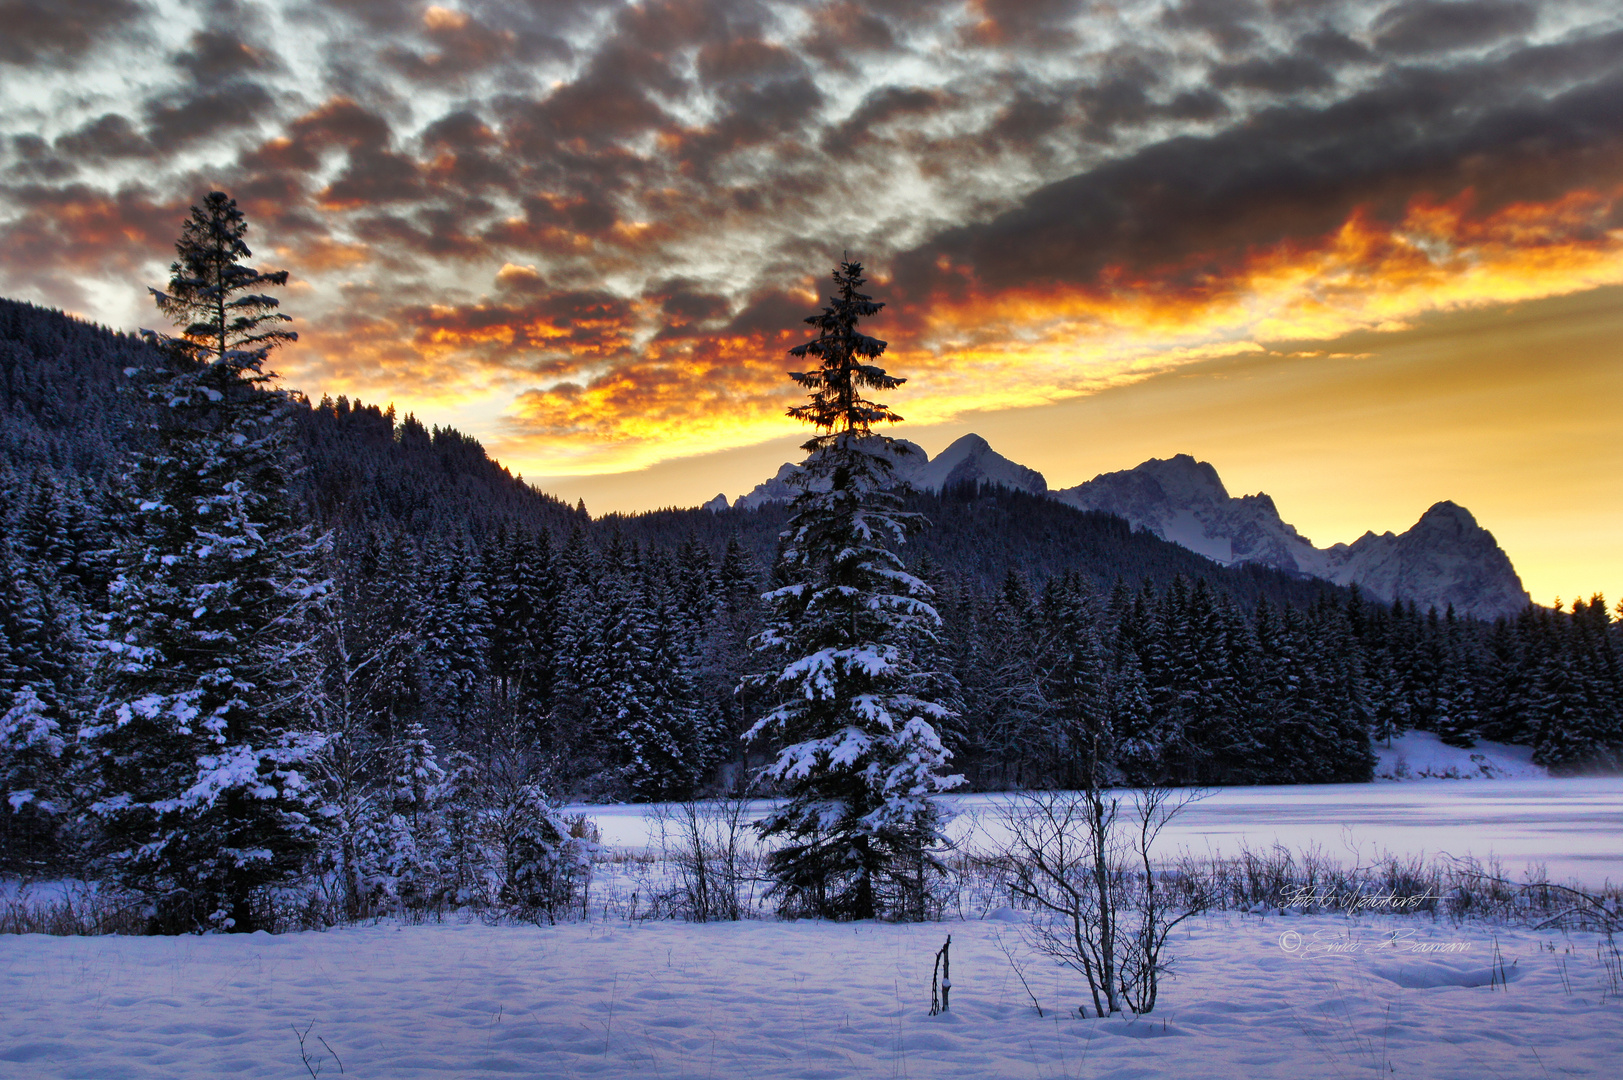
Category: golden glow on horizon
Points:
column 1030, row 349
column 613, row 405
column 1508, row 410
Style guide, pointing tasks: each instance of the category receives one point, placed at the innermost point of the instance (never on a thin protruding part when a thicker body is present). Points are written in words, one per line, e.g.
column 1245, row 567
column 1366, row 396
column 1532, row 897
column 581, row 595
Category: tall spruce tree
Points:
column 860, row 755
column 204, row 727
column 41, row 640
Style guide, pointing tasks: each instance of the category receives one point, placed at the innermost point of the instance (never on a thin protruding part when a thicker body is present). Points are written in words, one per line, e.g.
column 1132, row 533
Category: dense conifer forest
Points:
column 522, row 649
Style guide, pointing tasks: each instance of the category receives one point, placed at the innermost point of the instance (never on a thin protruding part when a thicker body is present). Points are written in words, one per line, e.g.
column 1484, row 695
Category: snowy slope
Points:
column 1421, row 755
column 1252, row 998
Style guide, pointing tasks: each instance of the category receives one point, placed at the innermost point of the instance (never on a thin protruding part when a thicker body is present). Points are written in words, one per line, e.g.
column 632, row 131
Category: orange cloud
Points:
column 590, row 381
column 992, row 350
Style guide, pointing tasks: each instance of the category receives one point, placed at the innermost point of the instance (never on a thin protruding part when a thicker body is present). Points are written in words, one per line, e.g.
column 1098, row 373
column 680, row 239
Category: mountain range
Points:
column 62, row 410
column 1445, row 559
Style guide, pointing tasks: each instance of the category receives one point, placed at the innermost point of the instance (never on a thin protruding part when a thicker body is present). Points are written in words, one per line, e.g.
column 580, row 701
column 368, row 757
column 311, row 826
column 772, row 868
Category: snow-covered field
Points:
column 797, row 1000
column 1283, row 996
column 1572, row 827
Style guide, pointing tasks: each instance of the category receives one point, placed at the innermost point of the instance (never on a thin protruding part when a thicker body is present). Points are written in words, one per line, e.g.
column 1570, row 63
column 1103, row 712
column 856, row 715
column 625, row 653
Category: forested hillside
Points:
column 470, row 615
column 979, row 535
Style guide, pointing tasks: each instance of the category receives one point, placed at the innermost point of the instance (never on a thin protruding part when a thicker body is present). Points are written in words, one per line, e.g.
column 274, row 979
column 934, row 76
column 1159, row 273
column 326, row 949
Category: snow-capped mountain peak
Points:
column 908, row 460
column 1446, row 558
column 971, row 459
column 1184, row 500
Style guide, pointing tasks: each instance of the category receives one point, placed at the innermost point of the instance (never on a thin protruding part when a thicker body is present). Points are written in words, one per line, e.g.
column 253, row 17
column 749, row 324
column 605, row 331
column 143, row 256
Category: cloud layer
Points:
column 593, row 227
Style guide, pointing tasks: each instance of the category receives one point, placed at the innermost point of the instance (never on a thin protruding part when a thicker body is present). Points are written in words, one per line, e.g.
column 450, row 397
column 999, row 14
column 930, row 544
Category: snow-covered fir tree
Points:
column 728, row 657
column 526, row 610
column 1076, row 737
column 41, row 676
column 859, row 755
column 661, row 733
column 504, row 833
column 455, row 632
column 203, row 733
column 414, row 836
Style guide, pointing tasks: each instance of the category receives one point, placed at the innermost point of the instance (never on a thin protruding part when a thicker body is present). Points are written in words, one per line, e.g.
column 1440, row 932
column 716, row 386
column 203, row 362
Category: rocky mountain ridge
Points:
column 1445, row 559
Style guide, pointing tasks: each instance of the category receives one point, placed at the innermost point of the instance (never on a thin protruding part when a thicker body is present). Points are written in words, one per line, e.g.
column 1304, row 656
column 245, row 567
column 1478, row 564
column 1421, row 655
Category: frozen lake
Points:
column 1573, row 828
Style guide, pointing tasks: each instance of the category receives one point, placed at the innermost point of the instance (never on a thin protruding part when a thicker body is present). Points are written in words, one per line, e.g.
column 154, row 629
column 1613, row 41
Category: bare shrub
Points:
column 1102, row 908
column 1279, row 879
column 75, row 909
column 702, row 843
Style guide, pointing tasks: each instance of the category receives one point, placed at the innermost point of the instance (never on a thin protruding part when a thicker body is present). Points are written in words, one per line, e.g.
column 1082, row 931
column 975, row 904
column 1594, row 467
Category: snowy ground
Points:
column 797, row 1000
column 1421, row 755
column 1281, row 997
column 1569, row 826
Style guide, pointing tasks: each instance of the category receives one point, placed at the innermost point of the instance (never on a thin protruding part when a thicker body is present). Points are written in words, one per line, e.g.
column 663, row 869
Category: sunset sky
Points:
column 1362, row 256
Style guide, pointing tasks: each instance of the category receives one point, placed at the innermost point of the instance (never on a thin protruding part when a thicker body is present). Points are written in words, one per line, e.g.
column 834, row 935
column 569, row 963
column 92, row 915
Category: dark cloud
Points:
column 340, row 125
column 1431, row 26
column 746, row 59
column 1039, row 24
column 1291, row 172
column 108, row 137
column 440, row 233
column 456, row 44
column 845, row 31
column 610, row 101
column 685, row 307
column 235, row 105
column 1130, row 94
column 666, row 25
column 373, row 176
column 340, row 122
column 1196, row 105
column 1331, row 46
column 755, row 114
column 38, row 31
column 1231, row 24
column 553, row 222
column 879, row 108
column 1274, row 74
column 34, row 161
column 63, row 231
column 771, row 311
column 217, row 56
column 763, row 88
column 465, row 152
column 460, row 131
column 1121, row 99
column 1032, row 114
